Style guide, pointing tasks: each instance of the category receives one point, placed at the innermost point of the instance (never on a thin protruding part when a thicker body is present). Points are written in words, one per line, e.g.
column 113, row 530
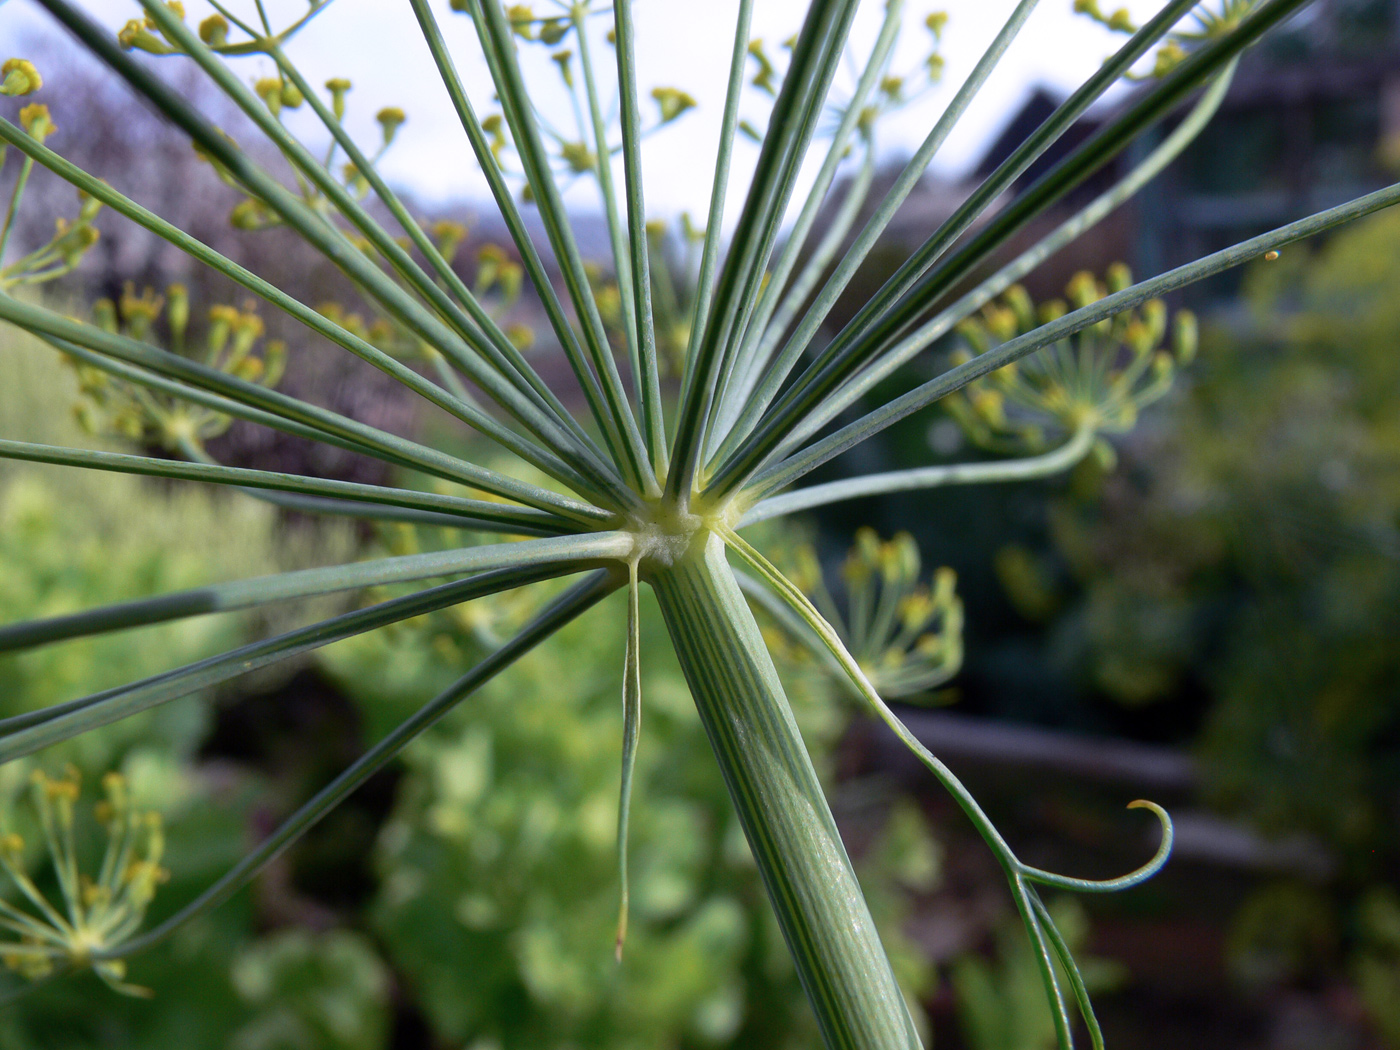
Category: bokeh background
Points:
column 1210, row 622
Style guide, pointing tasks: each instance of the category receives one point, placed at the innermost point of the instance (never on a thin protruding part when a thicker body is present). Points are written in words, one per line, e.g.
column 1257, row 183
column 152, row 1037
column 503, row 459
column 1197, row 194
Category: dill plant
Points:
column 687, row 434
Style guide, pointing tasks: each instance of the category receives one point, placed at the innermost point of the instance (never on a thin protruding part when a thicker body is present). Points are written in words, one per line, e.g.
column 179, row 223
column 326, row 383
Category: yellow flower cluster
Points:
column 232, row 343
column 1098, row 380
column 96, row 914
column 905, row 634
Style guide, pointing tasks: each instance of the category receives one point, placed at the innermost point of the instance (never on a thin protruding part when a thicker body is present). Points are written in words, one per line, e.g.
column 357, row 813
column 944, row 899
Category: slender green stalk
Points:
column 1075, row 226
column 743, row 357
column 498, row 44
column 505, row 356
column 631, row 729
column 1018, row 873
column 27, row 733
column 322, row 235
column 429, row 460
column 915, row 478
column 909, row 177
column 350, row 508
column 449, row 401
column 565, row 608
column 7, row 227
column 709, row 256
column 475, row 514
column 580, row 551
column 501, row 381
column 310, row 505
column 754, row 364
column 603, row 171
column 647, row 375
column 795, row 113
column 912, row 289
column 785, row 473
column 780, row 804
column 515, row 223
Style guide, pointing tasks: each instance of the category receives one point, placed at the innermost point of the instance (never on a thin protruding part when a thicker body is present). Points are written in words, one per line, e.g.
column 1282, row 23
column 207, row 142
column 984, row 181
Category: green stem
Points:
column 565, row 608
column 647, row 376
column 29, row 732
column 779, row 800
column 755, row 335
column 51, row 325
column 790, row 129
column 1067, row 232
column 1062, row 458
column 787, row 471
column 476, row 514
column 583, row 551
column 515, row 223
column 13, row 210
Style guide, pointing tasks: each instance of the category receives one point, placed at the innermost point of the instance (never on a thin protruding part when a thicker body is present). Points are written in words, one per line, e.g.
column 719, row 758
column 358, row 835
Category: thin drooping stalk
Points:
column 1019, row 874
column 567, row 607
column 775, row 790
column 631, row 730
column 915, row 478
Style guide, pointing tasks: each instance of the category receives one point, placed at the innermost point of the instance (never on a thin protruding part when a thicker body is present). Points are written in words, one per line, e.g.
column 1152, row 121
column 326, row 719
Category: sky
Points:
column 376, row 44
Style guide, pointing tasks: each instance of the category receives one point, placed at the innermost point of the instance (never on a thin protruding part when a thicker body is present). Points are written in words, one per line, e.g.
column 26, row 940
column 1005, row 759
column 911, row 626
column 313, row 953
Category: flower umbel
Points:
column 1098, row 380
column 906, row 635
column 95, row 914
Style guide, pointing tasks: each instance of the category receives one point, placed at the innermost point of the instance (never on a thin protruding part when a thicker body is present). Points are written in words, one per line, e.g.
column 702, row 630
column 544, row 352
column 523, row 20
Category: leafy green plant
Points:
column 653, row 484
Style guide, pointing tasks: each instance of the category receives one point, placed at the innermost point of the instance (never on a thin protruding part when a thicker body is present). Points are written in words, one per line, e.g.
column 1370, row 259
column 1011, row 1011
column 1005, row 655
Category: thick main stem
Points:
column 790, row 829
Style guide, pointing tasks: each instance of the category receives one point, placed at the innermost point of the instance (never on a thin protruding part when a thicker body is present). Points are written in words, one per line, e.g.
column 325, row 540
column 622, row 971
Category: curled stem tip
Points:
column 1133, row 878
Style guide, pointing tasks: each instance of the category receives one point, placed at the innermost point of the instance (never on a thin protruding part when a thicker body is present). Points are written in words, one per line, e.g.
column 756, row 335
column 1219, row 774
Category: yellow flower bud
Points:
column 672, row 102
column 564, row 60
column 1185, row 336
column 338, row 87
column 214, row 30
column 578, row 156
column 390, row 118
column 554, row 30
column 19, row 77
column 35, row 119
column 522, row 21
